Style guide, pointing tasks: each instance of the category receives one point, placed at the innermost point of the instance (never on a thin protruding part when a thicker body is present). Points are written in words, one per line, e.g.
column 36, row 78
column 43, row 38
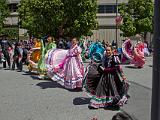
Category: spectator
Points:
column 5, row 47
column 69, row 44
column 114, row 43
column 17, row 57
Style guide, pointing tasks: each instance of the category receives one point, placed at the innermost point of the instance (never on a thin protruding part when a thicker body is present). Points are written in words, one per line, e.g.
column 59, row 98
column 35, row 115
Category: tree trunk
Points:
column 145, row 36
column 61, row 28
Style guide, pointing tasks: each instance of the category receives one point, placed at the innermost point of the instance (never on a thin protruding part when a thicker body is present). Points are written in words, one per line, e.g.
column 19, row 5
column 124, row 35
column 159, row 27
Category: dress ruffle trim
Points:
column 69, row 84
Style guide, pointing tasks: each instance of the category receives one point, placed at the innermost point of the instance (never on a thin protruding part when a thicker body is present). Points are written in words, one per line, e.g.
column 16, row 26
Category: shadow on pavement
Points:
column 34, row 77
column 1, row 68
column 46, row 85
column 29, row 73
column 81, row 101
column 53, row 84
column 113, row 108
column 132, row 67
column 74, row 90
column 6, row 69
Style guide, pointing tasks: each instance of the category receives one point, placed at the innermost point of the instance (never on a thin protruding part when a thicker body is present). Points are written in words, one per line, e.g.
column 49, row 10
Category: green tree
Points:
column 137, row 17
column 11, row 33
column 4, row 12
column 58, row 17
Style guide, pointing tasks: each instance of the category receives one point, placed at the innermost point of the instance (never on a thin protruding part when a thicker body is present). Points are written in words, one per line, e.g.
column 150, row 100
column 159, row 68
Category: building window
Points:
column 107, row 9
column 13, row 7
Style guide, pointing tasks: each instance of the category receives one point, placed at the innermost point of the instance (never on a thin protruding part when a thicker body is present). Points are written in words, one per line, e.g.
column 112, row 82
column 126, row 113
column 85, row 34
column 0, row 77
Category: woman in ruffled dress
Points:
column 70, row 71
column 138, row 53
column 106, row 83
column 42, row 68
column 34, row 54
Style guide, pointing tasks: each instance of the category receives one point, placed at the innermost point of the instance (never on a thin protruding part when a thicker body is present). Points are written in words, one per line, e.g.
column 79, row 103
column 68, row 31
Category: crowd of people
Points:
column 103, row 79
column 15, row 53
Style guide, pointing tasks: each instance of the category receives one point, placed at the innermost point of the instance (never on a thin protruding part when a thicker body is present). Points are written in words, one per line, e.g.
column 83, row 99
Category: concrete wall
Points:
column 12, row 20
column 108, row 35
column 107, row 26
column 13, row 1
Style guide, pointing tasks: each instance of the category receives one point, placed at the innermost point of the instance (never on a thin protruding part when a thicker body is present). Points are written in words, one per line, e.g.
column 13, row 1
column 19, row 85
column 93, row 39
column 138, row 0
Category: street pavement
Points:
column 23, row 97
column 139, row 106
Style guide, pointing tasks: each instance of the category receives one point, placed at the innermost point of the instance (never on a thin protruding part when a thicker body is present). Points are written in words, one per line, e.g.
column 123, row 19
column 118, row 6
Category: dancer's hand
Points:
column 124, row 77
column 56, row 69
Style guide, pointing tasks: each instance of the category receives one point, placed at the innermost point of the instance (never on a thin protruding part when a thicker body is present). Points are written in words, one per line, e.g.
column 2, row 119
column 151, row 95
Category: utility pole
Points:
column 155, row 109
column 116, row 24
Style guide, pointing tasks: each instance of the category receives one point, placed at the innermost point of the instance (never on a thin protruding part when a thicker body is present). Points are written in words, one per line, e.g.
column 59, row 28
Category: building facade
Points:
column 106, row 18
column 12, row 20
column 106, row 15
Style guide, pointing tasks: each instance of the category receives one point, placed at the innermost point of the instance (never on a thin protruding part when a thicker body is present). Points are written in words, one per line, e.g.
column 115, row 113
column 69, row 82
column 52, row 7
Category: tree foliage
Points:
column 58, row 17
column 137, row 17
column 4, row 12
column 11, row 33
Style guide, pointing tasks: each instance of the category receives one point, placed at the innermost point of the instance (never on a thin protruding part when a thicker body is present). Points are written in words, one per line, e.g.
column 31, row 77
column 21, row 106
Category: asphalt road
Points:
column 22, row 97
column 139, row 106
